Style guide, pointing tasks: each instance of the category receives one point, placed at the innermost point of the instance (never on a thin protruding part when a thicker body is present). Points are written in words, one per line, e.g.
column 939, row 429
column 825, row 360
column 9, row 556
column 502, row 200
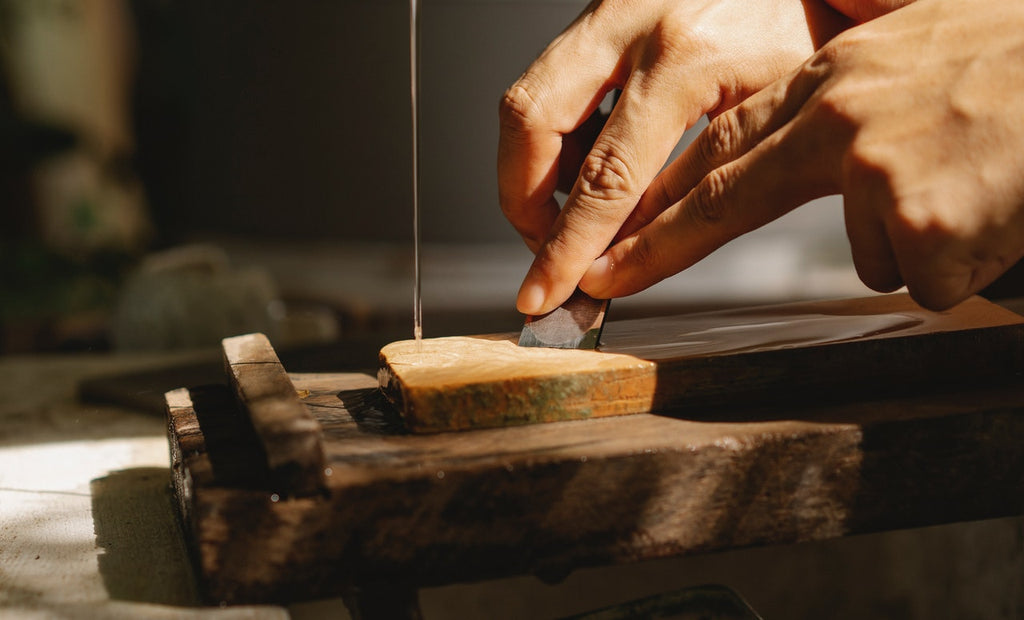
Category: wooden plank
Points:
column 288, row 434
column 832, row 349
column 546, row 498
column 188, row 454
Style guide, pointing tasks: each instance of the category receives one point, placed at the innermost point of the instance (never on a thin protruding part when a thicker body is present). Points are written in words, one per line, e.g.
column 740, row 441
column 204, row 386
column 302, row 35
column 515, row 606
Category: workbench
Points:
column 90, row 528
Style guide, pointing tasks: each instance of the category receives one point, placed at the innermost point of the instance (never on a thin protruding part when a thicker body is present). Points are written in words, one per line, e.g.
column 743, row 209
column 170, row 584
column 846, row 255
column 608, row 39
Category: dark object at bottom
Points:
column 711, row 602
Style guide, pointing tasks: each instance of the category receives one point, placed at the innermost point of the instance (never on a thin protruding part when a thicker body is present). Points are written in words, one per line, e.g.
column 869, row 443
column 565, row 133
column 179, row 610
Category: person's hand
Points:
column 674, row 60
column 917, row 118
column 866, row 10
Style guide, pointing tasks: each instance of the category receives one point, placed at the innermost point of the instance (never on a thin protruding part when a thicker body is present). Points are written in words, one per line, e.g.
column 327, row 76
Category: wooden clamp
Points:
column 287, row 432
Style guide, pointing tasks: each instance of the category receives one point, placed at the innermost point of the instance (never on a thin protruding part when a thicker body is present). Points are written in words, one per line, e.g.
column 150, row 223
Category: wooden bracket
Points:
column 287, row 432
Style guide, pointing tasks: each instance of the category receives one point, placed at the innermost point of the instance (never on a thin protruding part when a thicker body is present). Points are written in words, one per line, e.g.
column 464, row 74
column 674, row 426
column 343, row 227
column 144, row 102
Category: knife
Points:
column 576, row 324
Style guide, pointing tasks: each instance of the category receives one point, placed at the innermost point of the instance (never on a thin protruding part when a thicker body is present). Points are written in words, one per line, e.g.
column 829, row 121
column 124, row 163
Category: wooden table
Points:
column 89, row 529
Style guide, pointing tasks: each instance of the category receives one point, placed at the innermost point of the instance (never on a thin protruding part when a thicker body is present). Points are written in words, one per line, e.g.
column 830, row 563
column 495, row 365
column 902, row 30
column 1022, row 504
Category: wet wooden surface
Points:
column 804, row 351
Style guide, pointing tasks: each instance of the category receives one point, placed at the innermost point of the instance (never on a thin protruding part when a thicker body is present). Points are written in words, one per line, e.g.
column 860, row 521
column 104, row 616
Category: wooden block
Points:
column 805, row 351
column 188, row 459
column 441, row 508
column 212, row 443
column 288, row 434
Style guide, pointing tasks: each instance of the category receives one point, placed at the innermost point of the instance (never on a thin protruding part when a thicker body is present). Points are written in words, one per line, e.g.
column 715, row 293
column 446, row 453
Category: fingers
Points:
column 529, row 147
column 939, row 278
column 948, row 245
column 727, row 137
column 867, row 192
column 730, row 201
column 638, row 137
column 770, row 167
column 554, row 98
column 939, row 241
column 866, row 10
column 575, row 147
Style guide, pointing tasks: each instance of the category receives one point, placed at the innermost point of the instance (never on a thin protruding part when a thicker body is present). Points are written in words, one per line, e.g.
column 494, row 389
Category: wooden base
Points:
column 418, row 510
column 683, row 364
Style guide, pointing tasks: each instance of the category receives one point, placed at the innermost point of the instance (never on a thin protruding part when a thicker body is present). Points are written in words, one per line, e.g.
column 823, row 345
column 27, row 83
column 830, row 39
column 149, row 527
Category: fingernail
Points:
column 598, row 278
column 531, row 298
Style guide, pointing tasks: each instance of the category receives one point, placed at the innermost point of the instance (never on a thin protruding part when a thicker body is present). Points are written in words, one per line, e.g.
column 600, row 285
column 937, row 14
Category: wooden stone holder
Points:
column 304, row 486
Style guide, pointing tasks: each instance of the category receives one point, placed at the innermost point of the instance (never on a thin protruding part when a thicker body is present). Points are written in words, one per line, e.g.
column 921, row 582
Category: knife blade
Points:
column 576, row 324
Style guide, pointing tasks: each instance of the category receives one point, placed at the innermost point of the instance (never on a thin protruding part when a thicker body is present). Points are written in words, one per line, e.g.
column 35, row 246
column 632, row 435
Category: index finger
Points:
column 641, row 132
column 556, row 95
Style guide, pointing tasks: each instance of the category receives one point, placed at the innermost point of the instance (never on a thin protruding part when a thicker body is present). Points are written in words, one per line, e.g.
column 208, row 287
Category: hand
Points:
column 917, row 118
column 675, row 60
column 866, row 10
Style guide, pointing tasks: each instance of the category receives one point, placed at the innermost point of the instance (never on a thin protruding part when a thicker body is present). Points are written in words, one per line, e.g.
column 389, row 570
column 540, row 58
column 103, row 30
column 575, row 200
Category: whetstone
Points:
column 288, row 433
column 815, row 351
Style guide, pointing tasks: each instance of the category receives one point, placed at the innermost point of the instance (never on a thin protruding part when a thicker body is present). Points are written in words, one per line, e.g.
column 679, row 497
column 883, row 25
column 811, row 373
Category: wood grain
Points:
column 288, row 435
column 547, row 498
column 806, row 351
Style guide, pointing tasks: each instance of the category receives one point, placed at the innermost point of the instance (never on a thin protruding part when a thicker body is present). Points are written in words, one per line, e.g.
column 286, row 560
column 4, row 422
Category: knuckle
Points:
column 519, row 110
column 709, row 201
column 606, row 175
column 567, row 247
column 720, row 138
column 673, row 38
column 834, row 109
column 926, row 233
column 822, row 63
column 868, row 165
column 842, row 47
column 645, row 255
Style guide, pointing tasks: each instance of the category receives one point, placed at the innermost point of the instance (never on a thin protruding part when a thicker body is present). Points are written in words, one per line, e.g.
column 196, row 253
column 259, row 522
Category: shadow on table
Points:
column 143, row 556
column 144, row 390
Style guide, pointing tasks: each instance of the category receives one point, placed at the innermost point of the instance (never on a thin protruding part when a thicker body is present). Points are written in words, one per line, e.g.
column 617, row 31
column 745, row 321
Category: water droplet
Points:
column 328, row 471
column 274, row 497
column 440, row 474
column 583, row 459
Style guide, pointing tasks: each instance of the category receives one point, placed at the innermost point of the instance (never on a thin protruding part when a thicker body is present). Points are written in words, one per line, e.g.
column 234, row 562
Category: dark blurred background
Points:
column 260, row 129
